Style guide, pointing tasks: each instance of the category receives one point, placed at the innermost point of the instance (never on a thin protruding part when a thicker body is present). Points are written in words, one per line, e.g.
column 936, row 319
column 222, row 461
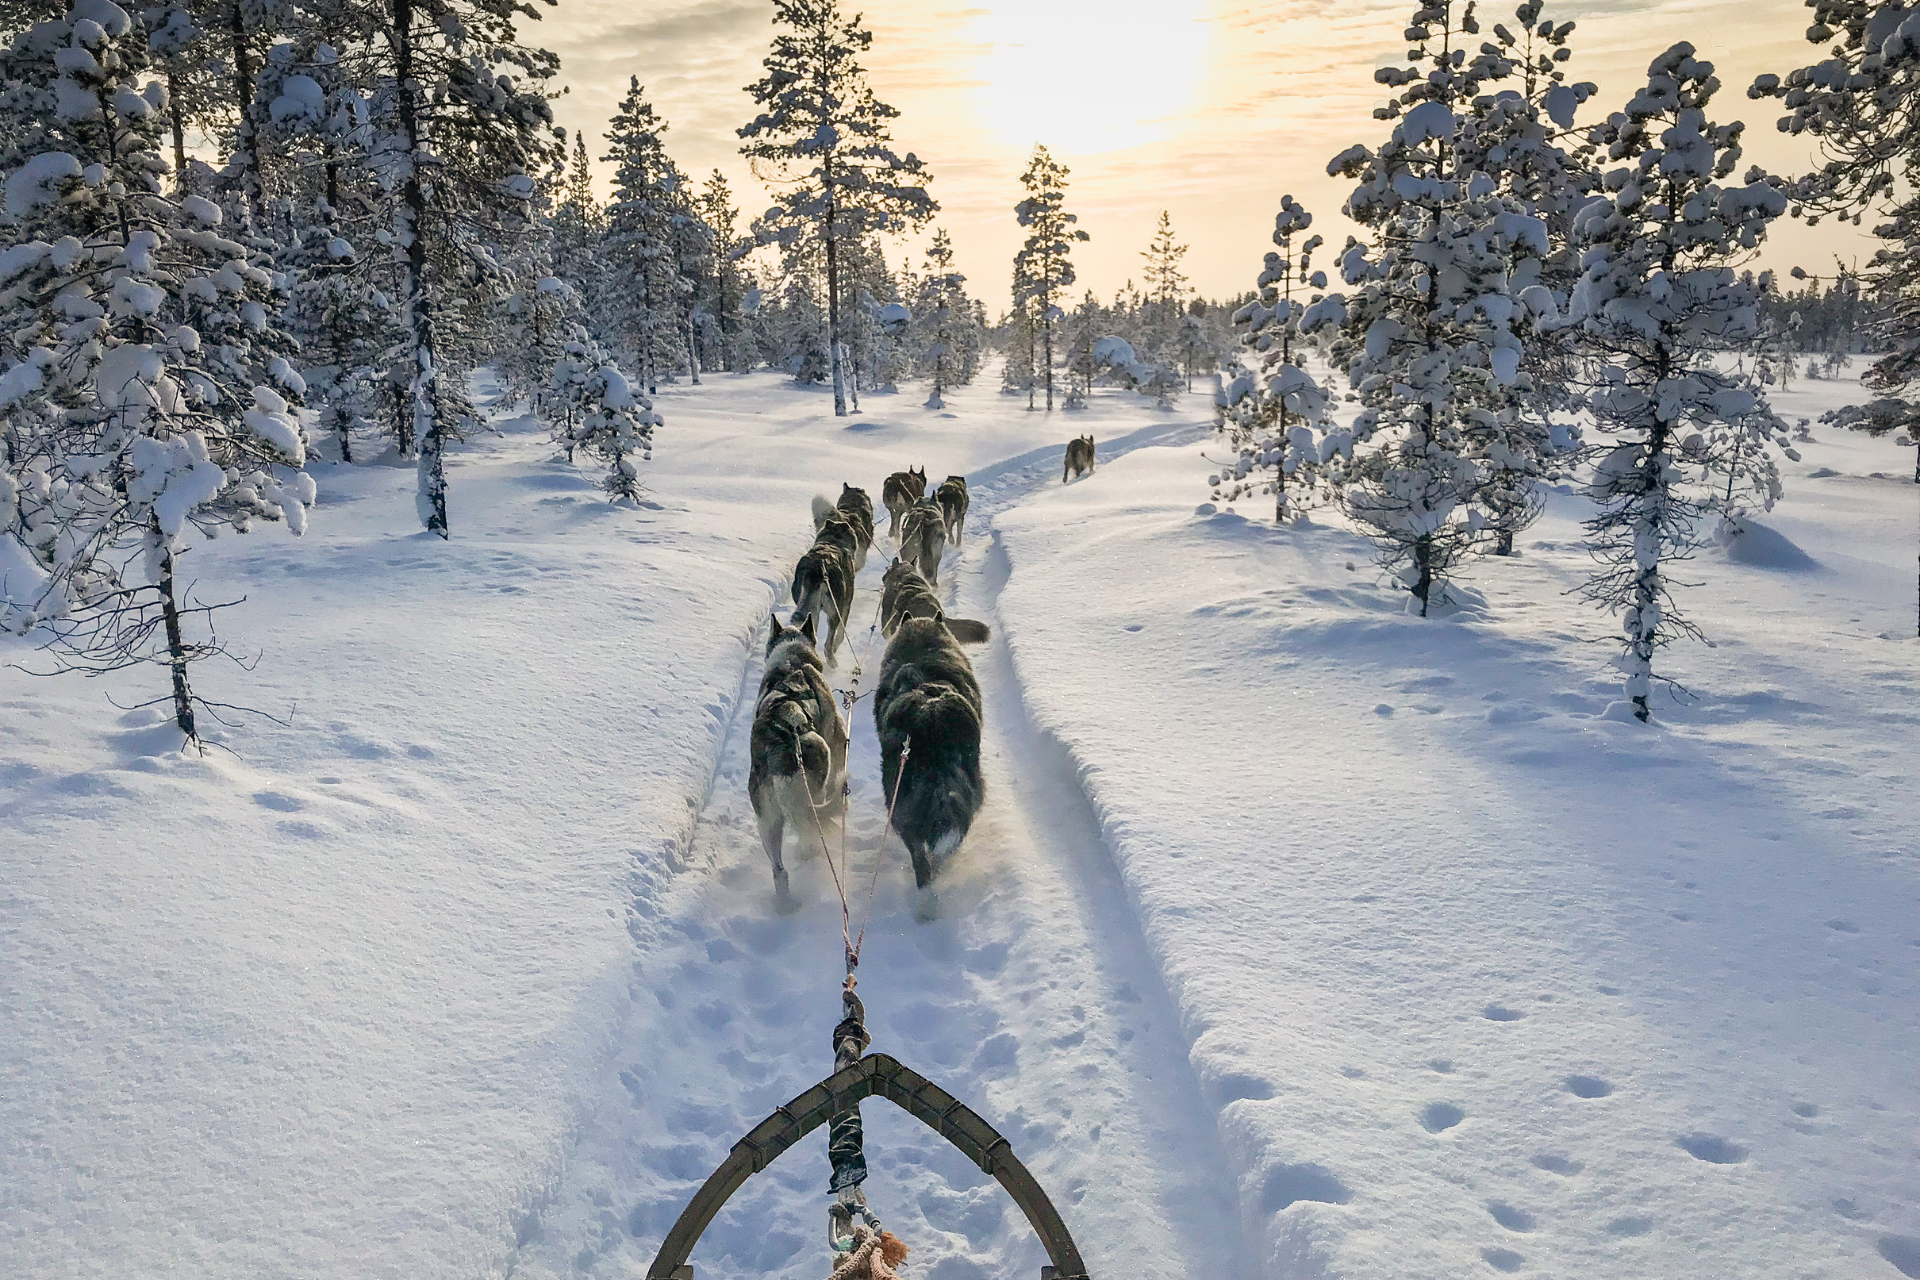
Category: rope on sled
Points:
column 874, row 1256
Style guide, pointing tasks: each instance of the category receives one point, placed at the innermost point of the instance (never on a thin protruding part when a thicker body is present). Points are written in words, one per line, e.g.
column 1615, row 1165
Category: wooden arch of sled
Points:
column 874, row 1076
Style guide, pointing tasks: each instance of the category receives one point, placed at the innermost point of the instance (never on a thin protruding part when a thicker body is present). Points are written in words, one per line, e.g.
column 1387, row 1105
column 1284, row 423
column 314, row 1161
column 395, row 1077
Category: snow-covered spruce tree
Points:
column 615, row 423
column 459, row 140
column 1525, row 137
column 1862, row 102
column 731, row 281
column 1084, row 327
column 577, row 227
column 1043, row 268
column 144, row 386
column 1272, row 415
column 317, row 123
column 824, row 142
column 640, row 238
column 946, row 341
column 1658, row 299
column 1166, row 286
column 1432, row 340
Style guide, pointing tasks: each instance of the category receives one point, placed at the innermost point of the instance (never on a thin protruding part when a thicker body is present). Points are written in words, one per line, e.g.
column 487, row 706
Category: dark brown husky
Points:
column 1079, row 458
column 902, row 490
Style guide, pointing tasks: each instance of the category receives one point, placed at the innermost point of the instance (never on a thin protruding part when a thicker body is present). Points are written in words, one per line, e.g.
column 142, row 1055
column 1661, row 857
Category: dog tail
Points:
column 967, row 631
column 821, row 510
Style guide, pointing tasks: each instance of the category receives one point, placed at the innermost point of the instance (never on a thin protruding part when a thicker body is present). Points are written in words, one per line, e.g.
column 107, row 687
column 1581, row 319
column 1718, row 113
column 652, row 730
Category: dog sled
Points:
column 854, row 1231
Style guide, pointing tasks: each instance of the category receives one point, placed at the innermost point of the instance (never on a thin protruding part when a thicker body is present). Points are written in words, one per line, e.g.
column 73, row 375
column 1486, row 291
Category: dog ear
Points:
column 806, row 629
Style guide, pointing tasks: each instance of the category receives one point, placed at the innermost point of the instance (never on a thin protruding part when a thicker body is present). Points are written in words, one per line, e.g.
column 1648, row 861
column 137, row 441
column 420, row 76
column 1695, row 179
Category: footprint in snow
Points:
column 1500, row 1013
column 1510, row 1217
column 1503, row 1259
column 1438, row 1117
column 1711, row 1148
column 1588, row 1087
column 1557, row 1164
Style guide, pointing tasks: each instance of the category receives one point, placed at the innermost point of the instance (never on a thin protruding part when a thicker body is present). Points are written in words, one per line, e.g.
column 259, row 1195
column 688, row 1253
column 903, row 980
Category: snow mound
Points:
column 1747, row 542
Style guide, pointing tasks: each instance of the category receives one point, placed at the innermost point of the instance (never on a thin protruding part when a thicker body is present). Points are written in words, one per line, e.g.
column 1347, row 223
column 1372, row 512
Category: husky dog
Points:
column 823, row 582
column 927, row 708
column 838, row 531
column 953, row 500
column 857, row 507
column 799, row 746
column 923, row 538
column 1079, row 457
column 902, row 490
column 907, row 595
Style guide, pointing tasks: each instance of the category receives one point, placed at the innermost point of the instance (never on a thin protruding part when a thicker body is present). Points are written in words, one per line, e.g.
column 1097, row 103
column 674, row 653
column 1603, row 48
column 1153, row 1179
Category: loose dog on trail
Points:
column 857, row 508
column 905, row 594
column 799, row 746
column 927, row 713
column 823, row 580
column 953, row 500
column 1079, row 458
column 902, row 490
column 923, row 538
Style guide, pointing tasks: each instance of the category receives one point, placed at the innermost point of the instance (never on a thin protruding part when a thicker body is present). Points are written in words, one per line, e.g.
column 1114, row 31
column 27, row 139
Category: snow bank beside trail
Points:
column 1478, row 980
column 328, row 1005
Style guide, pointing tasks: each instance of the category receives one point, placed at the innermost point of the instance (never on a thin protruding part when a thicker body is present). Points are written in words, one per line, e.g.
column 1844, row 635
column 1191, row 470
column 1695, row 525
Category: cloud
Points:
column 713, row 20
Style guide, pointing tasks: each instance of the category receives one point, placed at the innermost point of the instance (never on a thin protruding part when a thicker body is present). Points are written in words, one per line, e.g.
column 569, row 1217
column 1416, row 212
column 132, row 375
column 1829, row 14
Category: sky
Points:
column 1208, row 109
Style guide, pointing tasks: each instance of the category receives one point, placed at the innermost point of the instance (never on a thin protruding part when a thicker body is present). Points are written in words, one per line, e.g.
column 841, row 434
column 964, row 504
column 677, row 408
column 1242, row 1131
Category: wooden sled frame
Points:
column 875, row 1076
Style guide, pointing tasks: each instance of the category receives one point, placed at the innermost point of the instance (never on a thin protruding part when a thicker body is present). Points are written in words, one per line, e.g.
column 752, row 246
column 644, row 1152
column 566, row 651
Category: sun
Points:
column 1086, row 76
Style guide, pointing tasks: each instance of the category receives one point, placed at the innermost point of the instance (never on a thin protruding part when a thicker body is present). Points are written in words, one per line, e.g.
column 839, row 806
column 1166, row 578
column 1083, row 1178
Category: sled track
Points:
column 1032, row 996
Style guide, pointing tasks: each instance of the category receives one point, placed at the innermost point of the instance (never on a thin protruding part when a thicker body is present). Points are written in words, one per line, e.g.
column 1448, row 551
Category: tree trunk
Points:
column 246, row 155
column 833, row 321
column 1047, row 345
column 176, row 642
column 1423, row 561
column 422, row 410
column 179, row 121
column 693, row 355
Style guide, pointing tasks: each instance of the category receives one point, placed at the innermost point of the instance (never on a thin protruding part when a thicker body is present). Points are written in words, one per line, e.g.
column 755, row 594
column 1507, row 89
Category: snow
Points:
column 31, row 185
column 1299, row 936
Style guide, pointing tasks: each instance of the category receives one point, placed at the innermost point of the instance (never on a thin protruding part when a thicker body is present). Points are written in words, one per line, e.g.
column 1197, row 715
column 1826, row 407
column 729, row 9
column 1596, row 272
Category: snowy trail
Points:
column 1032, row 997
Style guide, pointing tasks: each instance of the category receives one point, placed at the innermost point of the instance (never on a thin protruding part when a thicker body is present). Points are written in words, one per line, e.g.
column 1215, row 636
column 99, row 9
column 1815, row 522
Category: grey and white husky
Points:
column 923, row 538
column 1079, row 457
column 953, row 500
column 857, row 509
column 927, row 713
column 902, row 490
column 823, row 581
column 905, row 594
column 799, row 746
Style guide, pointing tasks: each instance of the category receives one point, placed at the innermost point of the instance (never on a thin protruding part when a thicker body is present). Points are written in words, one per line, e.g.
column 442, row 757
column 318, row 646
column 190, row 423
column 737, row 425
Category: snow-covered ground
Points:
column 1299, row 937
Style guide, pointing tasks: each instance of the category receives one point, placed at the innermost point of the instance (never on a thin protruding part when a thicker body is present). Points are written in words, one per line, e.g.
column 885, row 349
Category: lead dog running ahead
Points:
column 1079, row 457
column 798, row 747
column 927, row 713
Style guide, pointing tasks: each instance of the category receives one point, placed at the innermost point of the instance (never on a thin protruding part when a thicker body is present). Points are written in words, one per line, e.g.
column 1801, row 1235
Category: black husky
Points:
column 953, row 500
column 905, row 594
column 927, row 712
column 799, row 746
column 857, row 508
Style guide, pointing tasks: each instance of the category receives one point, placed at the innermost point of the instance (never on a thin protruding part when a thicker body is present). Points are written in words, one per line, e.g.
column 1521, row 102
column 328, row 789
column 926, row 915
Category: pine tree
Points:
column 1166, row 286
column 1269, row 413
column 824, row 141
column 640, row 242
column 733, row 334
column 144, row 384
column 1432, row 335
column 1862, row 102
column 1659, row 297
column 947, row 344
column 461, row 140
column 1043, row 268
